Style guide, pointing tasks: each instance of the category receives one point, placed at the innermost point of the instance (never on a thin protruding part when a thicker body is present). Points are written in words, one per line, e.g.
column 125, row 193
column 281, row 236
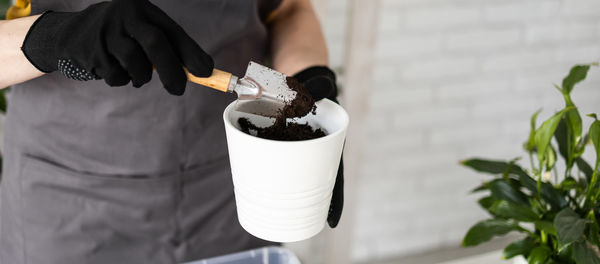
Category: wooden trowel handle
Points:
column 219, row 80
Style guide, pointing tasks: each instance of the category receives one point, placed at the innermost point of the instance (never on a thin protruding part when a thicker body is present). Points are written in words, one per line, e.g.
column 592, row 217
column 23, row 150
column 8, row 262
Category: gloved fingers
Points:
column 337, row 199
column 161, row 54
column 320, row 82
column 111, row 71
column 320, row 87
column 132, row 58
column 310, row 72
column 194, row 58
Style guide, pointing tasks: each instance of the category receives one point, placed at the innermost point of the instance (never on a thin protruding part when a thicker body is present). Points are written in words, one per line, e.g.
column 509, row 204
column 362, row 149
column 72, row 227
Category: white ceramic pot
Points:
column 283, row 188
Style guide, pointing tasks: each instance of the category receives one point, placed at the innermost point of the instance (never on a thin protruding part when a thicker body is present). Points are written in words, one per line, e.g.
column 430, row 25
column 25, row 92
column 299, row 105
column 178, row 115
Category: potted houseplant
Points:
column 557, row 212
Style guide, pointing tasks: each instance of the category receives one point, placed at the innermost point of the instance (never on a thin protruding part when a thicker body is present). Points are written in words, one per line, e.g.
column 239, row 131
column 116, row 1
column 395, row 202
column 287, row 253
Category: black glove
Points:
column 118, row 41
column 320, row 82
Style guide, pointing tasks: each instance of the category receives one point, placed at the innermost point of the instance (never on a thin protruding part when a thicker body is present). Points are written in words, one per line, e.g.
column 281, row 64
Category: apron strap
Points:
column 268, row 9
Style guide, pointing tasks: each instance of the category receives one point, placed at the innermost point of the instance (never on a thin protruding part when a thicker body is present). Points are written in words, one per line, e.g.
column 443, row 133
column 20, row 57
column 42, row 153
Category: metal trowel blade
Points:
column 273, row 93
column 261, row 106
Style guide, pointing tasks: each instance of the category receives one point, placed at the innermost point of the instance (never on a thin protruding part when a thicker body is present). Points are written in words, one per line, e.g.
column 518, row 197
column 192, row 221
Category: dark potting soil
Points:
column 301, row 105
column 282, row 130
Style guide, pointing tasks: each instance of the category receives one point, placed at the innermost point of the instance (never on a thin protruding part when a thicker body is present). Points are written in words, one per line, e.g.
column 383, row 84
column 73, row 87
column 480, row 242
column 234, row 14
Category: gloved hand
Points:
column 118, row 41
column 320, row 81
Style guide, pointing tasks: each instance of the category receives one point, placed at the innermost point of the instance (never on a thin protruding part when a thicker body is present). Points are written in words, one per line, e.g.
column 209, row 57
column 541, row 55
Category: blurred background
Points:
column 428, row 83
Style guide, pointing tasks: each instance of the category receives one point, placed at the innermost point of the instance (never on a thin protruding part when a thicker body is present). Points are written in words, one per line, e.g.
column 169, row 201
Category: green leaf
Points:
column 519, row 247
column 545, row 226
column 485, row 186
column 487, row 166
column 503, row 191
column 569, row 184
column 493, row 166
column 586, row 253
column 537, row 207
column 479, row 188
column 594, row 230
column 585, row 168
column 514, row 211
column 486, row 202
column 486, row 229
column 531, row 141
column 568, row 136
column 574, row 124
column 539, row 255
column 543, row 135
column 498, row 167
column 529, row 183
column 577, row 74
column 580, row 147
column 595, row 136
column 569, row 226
column 515, row 169
column 516, row 184
column 549, row 193
column 562, row 139
column 565, row 253
column 553, row 196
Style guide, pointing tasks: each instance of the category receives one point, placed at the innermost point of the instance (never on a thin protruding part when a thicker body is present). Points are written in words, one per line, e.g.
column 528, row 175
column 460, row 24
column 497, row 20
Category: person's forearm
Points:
column 14, row 67
column 297, row 41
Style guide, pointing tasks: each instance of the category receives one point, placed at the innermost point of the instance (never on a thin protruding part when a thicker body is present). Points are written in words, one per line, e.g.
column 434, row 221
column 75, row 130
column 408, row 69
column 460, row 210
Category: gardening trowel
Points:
column 262, row 91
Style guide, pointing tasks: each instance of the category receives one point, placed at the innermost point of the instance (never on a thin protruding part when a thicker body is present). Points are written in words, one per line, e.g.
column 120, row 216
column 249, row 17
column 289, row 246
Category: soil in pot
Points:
column 302, row 105
column 281, row 130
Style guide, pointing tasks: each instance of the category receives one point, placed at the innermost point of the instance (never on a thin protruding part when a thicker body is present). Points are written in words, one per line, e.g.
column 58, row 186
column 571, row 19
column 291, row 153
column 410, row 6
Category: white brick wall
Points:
column 454, row 79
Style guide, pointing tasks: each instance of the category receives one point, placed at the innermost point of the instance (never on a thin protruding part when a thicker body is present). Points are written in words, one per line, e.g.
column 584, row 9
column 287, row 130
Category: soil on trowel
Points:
column 301, row 105
column 282, row 130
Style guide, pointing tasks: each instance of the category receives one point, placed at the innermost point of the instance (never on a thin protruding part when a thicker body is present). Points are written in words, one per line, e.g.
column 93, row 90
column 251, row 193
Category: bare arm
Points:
column 297, row 41
column 14, row 67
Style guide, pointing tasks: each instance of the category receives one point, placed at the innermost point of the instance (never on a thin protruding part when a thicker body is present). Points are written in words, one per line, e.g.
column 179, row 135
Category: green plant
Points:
column 556, row 213
column 4, row 4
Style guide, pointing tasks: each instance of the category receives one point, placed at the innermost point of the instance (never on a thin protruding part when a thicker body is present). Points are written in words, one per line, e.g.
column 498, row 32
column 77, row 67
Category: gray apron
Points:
column 98, row 174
